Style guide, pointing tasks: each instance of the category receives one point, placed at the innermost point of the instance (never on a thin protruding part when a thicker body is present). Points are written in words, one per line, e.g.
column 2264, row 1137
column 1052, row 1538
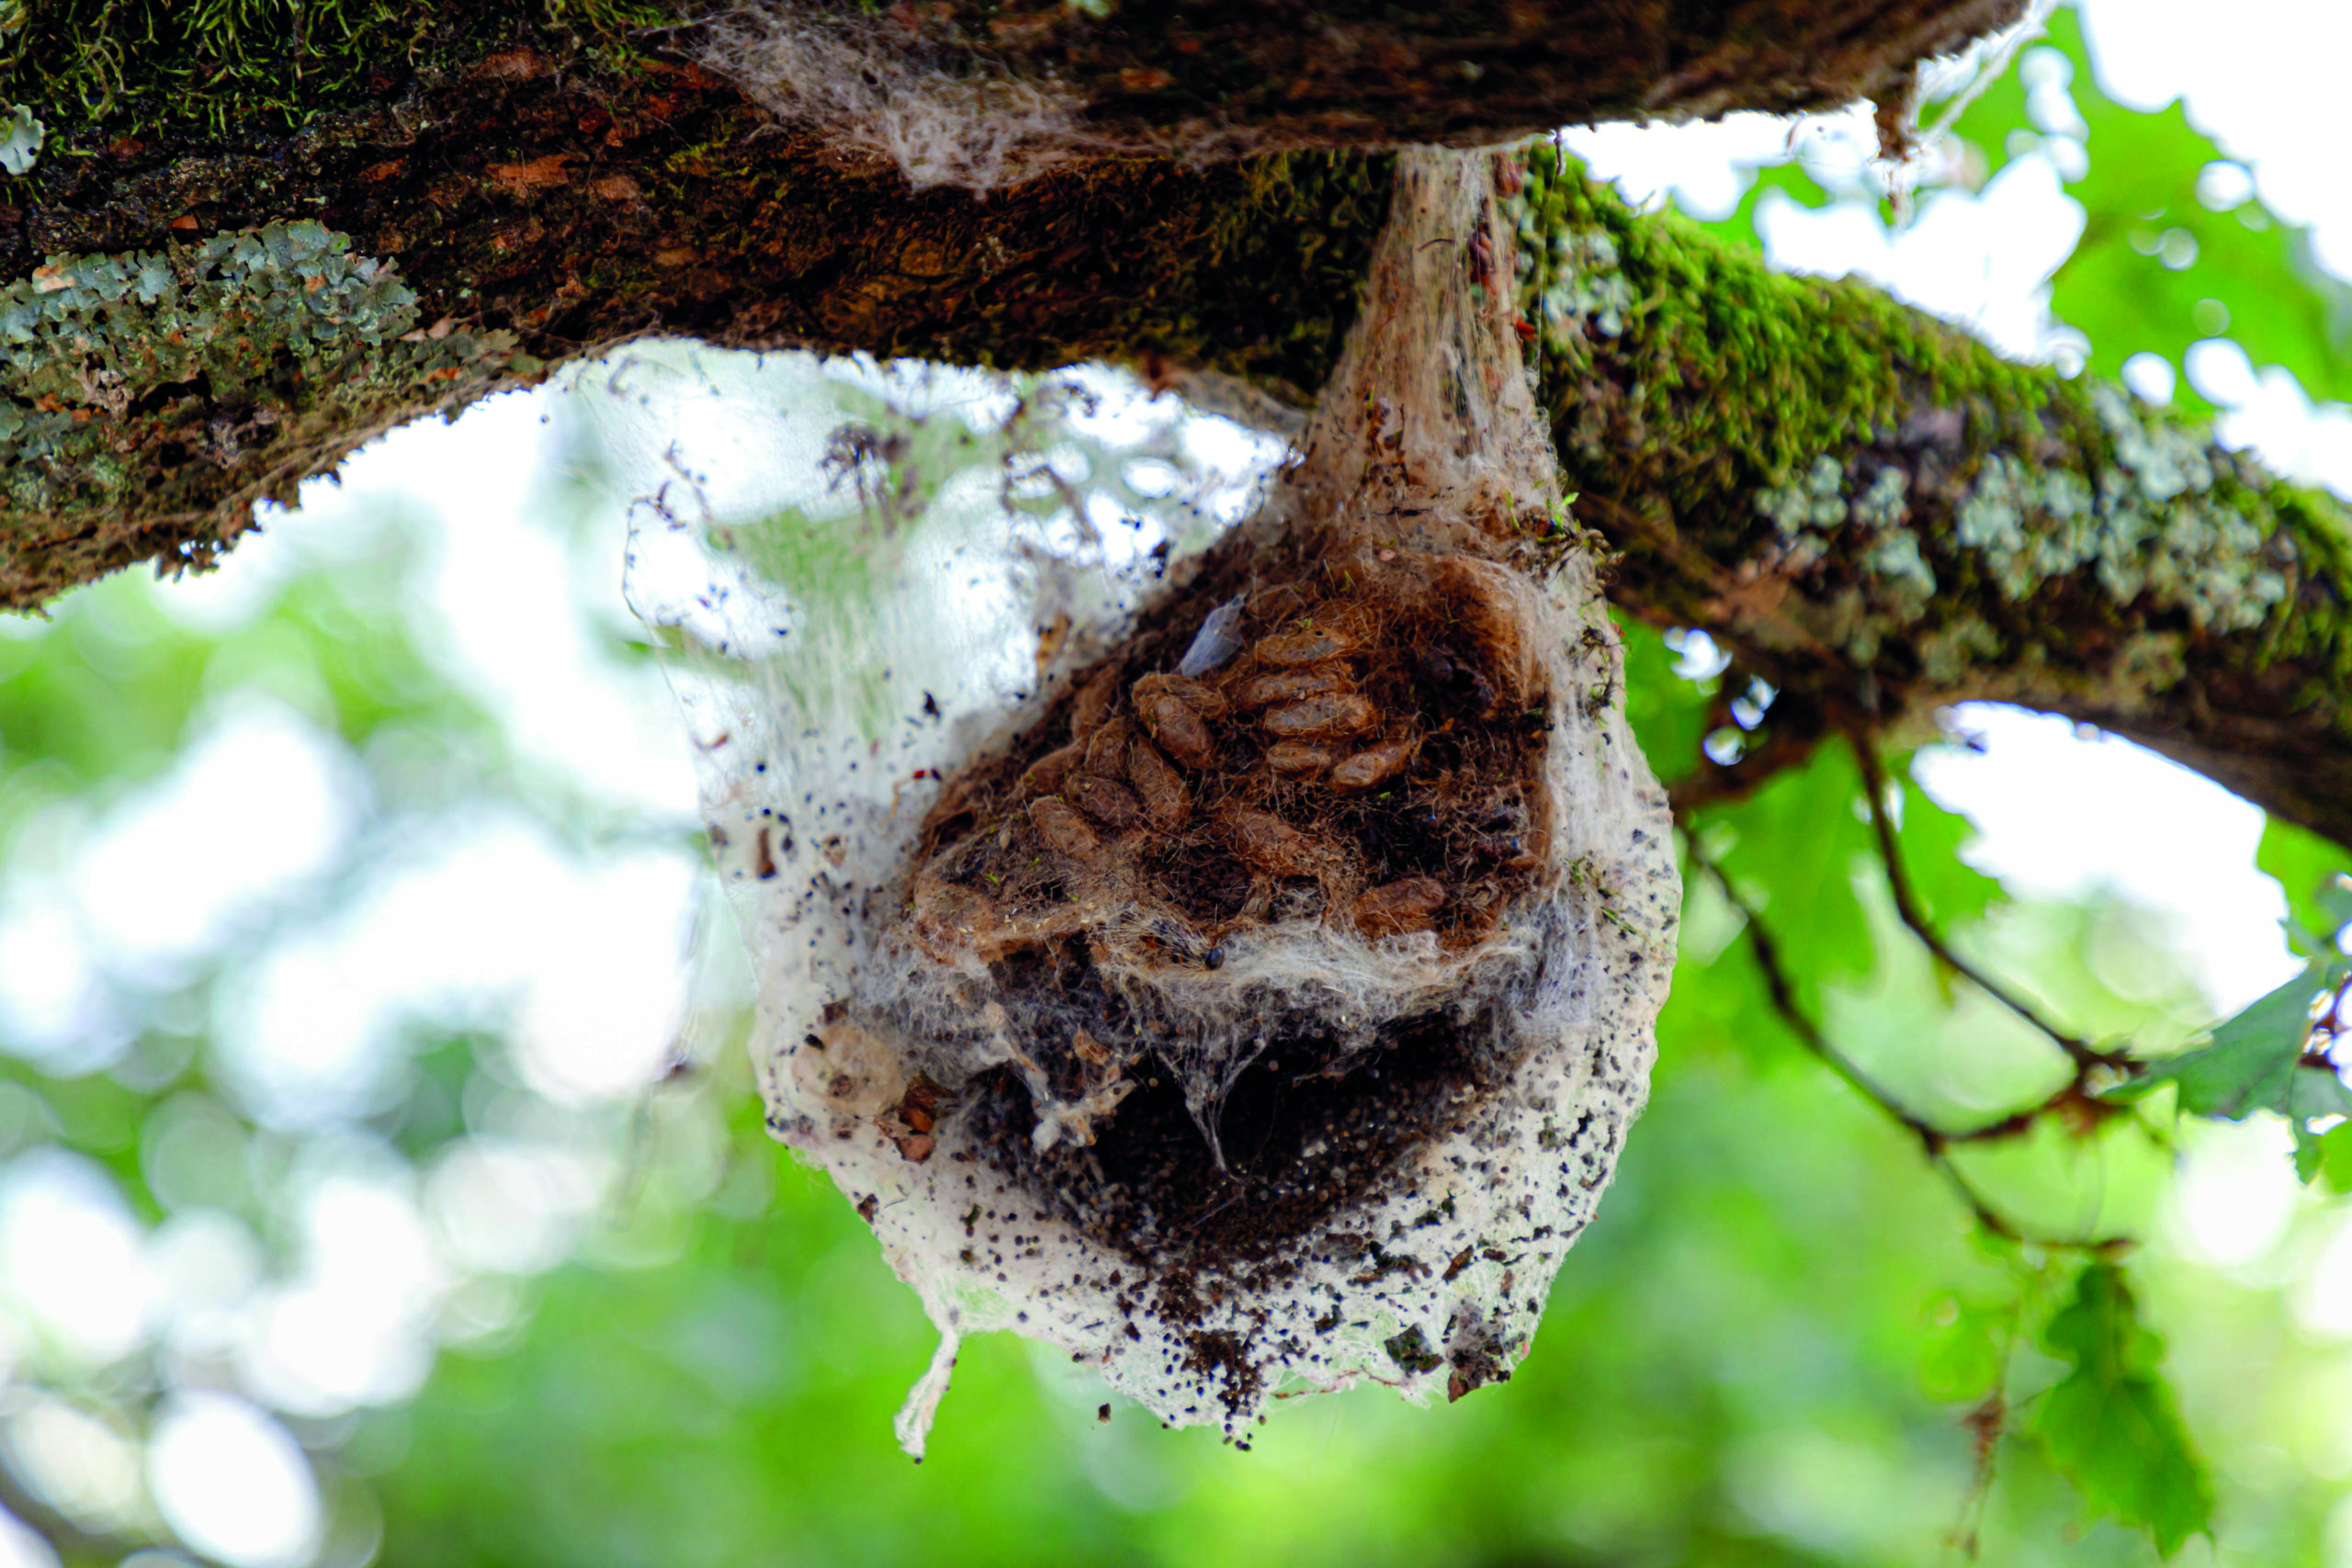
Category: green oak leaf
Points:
column 1954, row 892
column 2255, row 1062
column 1797, row 844
column 2156, row 268
column 2110, row 1425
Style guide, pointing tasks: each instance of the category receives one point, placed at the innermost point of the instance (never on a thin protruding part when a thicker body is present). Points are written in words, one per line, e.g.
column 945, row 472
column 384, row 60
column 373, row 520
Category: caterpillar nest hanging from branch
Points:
column 1264, row 1012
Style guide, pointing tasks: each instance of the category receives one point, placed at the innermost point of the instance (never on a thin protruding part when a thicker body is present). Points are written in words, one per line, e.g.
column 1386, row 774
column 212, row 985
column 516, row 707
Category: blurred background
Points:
column 380, row 1176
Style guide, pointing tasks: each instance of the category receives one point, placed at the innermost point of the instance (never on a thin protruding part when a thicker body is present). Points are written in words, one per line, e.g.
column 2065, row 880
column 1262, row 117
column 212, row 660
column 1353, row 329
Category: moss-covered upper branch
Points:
column 522, row 182
column 1258, row 74
column 1879, row 513
column 531, row 208
column 217, row 275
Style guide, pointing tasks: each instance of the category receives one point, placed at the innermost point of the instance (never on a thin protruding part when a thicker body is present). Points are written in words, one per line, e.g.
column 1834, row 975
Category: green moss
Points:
column 1308, row 219
column 2149, row 522
column 607, row 18
column 1739, row 378
column 1764, row 418
column 217, row 67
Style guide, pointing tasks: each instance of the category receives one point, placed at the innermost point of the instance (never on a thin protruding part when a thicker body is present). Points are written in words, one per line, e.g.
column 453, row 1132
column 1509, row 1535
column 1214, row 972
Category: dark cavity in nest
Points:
column 1307, row 1130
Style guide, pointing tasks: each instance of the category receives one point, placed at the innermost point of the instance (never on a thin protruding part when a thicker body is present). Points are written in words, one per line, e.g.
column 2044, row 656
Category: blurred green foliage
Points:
column 2316, row 877
column 1766, row 1350
column 2257, row 1062
column 2176, row 248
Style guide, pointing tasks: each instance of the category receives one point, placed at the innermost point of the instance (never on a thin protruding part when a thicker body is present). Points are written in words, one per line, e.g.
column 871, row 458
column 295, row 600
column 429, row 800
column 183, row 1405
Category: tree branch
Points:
column 549, row 179
column 2085, row 1055
column 1935, row 1141
column 1869, row 507
column 1206, row 78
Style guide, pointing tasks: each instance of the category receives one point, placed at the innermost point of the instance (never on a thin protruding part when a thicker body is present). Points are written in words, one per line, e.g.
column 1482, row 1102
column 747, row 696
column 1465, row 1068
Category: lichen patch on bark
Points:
column 198, row 378
column 1876, row 510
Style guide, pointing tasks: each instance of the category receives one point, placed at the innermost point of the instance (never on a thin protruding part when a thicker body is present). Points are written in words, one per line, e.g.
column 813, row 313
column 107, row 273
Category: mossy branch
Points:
column 1211, row 76
column 1869, row 507
column 530, row 206
column 543, row 179
column 1878, row 513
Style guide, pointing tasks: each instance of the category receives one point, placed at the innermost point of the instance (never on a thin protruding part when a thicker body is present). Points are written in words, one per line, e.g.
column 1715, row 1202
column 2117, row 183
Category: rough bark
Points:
column 546, row 180
column 1276, row 73
column 1882, row 516
column 239, row 256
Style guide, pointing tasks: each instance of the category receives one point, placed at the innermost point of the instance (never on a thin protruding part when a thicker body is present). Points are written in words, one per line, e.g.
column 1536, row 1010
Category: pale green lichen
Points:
column 1814, row 505
column 2147, row 523
column 1949, row 653
column 1886, row 505
column 20, row 148
column 2145, row 526
column 1992, row 522
column 85, row 337
column 96, row 330
column 238, row 341
column 1906, row 582
column 1584, row 289
column 1812, row 516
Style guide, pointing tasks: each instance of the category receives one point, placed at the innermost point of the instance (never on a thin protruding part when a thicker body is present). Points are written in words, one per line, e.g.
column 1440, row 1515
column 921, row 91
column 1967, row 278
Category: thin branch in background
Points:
column 2084, row 1054
column 1986, row 1424
column 1718, row 785
column 1934, row 1141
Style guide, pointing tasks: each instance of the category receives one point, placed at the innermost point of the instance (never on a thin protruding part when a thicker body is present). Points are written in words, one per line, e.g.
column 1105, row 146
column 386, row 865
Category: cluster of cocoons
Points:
column 1262, row 1007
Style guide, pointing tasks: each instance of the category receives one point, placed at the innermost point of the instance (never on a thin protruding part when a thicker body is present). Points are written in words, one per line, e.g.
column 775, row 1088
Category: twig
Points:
column 2084, row 1054
column 1934, row 1141
column 1717, row 785
column 1985, row 1422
